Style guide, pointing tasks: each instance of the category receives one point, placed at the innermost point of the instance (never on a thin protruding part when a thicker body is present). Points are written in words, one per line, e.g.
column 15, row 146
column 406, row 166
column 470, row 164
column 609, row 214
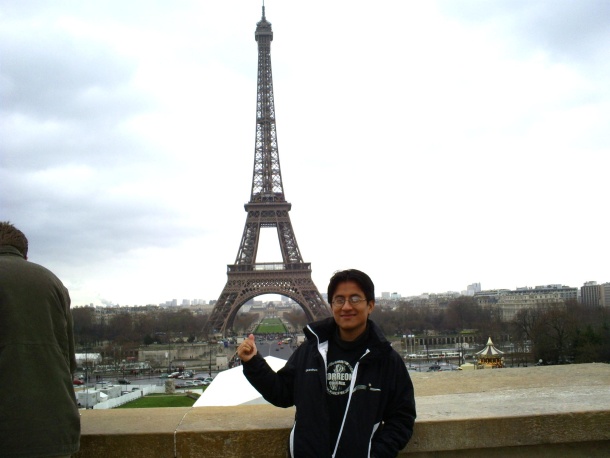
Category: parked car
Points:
column 123, row 381
column 77, row 382
column 207, row 380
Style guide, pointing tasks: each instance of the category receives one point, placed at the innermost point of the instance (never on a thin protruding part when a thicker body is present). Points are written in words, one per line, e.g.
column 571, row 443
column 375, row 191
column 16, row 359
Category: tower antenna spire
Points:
column 263, row 9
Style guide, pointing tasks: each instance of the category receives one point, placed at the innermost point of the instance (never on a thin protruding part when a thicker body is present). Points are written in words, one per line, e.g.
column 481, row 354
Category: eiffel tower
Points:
column 267, row 208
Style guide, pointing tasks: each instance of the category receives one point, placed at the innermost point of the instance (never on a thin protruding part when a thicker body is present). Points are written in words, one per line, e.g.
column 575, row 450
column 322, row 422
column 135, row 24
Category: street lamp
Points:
column 86, row 380
column 169, row 353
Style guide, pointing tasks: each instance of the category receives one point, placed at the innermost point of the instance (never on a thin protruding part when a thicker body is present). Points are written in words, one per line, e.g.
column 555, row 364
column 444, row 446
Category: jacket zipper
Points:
column 349, row 400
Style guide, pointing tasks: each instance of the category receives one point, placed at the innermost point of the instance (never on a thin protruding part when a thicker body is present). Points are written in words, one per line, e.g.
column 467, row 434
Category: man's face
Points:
column 350, row 317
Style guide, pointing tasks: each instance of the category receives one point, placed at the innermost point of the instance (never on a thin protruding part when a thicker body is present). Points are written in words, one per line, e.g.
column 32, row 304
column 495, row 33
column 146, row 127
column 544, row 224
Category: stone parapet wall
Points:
column 538, row 411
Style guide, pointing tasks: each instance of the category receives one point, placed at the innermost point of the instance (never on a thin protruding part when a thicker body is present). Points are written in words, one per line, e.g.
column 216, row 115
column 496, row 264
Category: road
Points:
column 423, row 366
column 271, row 348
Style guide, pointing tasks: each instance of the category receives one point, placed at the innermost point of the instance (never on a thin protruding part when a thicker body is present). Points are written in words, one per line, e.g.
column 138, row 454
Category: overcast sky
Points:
column 432, row 144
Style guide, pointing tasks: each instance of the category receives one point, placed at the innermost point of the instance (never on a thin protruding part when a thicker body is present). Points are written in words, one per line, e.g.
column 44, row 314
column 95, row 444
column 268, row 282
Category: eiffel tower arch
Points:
column 267, row 208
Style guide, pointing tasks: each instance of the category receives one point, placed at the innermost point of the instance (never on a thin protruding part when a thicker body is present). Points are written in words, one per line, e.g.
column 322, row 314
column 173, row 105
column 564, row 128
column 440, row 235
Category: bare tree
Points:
column 244, row 321
column 296, row 318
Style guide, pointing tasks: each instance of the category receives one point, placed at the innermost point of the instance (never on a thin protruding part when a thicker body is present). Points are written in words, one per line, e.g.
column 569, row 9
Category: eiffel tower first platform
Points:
column 267, row 208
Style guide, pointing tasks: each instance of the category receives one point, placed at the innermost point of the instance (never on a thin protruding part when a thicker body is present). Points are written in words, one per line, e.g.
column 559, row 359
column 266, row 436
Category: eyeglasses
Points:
column 353, row 300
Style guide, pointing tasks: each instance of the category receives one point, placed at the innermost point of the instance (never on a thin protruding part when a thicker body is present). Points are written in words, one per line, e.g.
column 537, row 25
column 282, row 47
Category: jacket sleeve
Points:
column 70, row 330
column 398, row 418
column 275, row 387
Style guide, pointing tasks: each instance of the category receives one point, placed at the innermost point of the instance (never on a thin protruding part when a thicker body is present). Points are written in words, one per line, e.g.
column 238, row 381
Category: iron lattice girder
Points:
column 267, row 177
column 268, row 215
column 247, row 282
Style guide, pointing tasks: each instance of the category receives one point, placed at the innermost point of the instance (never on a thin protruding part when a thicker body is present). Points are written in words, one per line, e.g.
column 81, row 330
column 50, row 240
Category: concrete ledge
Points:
column 129, row 432
column 539, row 411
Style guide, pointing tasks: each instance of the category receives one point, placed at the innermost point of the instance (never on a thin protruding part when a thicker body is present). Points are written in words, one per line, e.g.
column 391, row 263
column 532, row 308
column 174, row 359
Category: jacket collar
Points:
column 10, row 250
column 324, row 329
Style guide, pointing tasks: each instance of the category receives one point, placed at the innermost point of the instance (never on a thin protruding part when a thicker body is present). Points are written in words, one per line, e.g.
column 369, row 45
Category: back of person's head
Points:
column 360, row 278
column 10, row 235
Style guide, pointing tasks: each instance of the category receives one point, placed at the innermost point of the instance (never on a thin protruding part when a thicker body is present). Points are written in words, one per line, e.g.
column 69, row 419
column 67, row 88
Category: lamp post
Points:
column 169, row 353
column 86, row 380
column 210, row 363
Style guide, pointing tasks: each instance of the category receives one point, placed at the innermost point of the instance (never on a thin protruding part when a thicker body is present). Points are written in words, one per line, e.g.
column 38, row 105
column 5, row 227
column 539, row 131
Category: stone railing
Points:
column 536, row 411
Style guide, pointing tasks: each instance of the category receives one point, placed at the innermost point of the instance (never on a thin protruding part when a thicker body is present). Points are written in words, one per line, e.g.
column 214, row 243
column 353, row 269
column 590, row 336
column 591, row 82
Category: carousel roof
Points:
column 490, row 350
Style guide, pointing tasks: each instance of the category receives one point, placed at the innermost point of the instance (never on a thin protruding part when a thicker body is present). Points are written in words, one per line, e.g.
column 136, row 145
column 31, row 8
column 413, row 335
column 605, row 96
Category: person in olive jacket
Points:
column 352, row 392
column 38, row 411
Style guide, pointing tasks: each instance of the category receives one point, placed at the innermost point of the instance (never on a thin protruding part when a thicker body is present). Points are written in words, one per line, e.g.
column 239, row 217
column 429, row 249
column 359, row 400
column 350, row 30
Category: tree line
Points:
column 129, row 330
column 555, row 332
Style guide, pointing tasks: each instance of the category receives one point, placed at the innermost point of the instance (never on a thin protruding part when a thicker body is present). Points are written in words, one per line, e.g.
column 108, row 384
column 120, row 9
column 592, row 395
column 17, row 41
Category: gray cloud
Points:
column 575, row 31
column 56, row 76
column 71, row 95
column 65, row 99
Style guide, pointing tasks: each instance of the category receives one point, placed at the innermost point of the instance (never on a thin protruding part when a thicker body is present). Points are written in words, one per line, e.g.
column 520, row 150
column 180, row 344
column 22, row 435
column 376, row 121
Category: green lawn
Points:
column 271, row 326
column 162, row 400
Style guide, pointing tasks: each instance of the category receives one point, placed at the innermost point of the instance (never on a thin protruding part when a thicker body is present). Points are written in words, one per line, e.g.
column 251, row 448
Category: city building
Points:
column 510, row 302
column 565, row 292
column 595, row 295
column 471, row 290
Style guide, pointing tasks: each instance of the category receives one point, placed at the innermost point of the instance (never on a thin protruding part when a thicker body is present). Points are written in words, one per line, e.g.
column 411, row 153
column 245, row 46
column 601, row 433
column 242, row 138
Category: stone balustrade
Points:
column 536, row 411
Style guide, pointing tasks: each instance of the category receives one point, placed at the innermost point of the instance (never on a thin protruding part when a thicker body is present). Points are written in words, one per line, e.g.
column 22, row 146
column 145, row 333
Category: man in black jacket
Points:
column 353, row 395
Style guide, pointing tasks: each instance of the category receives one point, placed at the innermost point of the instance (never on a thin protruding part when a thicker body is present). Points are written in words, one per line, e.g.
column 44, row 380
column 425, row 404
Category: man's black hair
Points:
column 360, row 278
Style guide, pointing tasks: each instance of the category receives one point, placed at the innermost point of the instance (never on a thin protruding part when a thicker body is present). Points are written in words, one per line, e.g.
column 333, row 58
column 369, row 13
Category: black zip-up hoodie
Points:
column 380, row 413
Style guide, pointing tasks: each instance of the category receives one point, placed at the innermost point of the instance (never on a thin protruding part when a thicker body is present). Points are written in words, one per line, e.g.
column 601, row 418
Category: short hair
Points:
column 10, row 235
column 360, row 278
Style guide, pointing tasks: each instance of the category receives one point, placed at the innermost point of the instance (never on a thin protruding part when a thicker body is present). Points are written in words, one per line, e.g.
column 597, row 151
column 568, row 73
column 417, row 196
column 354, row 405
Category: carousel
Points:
column 490, row 356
